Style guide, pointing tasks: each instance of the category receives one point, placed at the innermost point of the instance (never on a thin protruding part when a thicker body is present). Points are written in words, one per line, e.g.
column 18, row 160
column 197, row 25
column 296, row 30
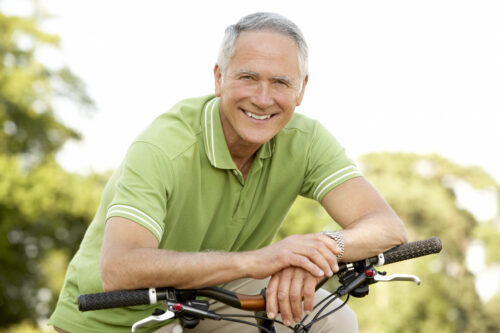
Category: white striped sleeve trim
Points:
column 212, row 130
column 209, row 135
column 138, row 215
column 335, row 178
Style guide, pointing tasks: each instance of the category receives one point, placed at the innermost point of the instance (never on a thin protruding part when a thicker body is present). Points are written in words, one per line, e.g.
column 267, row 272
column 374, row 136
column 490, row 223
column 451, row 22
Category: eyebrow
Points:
column 246, row 71
column 278, row 77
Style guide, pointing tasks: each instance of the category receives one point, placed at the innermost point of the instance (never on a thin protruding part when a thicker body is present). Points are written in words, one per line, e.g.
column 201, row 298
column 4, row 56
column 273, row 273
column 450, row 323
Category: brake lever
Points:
column 153, row 319
column 396, row 277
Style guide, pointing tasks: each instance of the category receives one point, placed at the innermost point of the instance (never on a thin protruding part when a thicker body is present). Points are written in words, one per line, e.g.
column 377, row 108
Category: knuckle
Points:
column 285, row 252
column 314, row 253
column 295, row 296
column 282, row 296
column 309, row 294
column 297, row 261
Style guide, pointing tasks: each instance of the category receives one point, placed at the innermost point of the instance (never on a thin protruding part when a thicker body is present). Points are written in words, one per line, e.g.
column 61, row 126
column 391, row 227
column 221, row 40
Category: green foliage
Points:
column 44, row 210
column 28, row 90
column 488, row 233
column 43, row 215
column 422, row 190
column 305, row 216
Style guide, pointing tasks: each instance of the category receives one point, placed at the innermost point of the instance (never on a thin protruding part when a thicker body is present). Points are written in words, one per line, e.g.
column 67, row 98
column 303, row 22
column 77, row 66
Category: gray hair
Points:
column 263, row 21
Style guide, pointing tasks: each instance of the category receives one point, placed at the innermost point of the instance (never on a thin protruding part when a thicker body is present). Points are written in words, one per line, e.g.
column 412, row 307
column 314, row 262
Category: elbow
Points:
column 107, row 283
column 110, row 274
column 107, row 280
column 400, row 234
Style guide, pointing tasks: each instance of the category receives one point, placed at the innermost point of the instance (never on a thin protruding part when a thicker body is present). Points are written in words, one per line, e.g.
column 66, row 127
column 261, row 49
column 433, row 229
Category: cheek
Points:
column 287, row 102
column 240, row 91
column 231, row 94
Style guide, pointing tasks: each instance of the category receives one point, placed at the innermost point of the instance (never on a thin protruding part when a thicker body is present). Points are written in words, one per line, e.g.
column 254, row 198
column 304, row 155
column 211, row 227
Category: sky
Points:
column 411, row 76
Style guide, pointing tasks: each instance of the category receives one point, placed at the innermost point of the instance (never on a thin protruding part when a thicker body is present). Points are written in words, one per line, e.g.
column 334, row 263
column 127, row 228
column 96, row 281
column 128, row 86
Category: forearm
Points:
column 149, row 267
column 370, row 225
column 371, row 235
column 130, row 259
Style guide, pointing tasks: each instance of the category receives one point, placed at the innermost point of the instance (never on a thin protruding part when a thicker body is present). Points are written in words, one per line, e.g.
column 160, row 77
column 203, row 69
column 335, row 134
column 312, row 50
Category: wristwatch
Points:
column 339, row 239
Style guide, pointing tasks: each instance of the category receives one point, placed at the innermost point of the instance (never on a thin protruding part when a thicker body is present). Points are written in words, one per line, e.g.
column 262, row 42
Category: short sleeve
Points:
column 142, row 187
column 328, row 165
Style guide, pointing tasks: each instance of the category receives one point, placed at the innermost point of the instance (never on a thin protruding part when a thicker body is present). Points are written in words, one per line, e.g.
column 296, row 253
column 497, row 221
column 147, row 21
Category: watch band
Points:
column 339, row 239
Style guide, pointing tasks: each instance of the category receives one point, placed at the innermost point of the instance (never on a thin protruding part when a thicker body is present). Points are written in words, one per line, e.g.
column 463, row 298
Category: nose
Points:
column 262, row 97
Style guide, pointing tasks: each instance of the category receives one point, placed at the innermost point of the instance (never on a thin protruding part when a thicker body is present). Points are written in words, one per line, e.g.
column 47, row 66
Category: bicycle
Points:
column 354, row 279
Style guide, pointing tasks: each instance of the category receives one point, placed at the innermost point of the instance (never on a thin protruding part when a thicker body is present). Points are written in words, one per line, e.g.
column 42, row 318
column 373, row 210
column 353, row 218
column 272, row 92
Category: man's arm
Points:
column 130, row 259
column 370, row 226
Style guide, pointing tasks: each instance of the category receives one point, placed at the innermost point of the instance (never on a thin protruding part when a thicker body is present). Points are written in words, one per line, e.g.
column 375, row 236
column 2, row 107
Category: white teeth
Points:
column 254, row 116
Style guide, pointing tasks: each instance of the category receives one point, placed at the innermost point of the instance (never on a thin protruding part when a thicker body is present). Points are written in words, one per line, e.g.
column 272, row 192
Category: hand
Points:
column 285, row 293
column 315, row 253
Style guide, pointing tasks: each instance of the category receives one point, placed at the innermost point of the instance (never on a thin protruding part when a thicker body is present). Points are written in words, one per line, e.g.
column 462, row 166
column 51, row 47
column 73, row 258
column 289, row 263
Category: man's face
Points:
column 260, row 88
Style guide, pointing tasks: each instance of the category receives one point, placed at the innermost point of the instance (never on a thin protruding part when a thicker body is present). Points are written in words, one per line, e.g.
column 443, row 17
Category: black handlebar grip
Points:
column 113, row 299
column 413, row 250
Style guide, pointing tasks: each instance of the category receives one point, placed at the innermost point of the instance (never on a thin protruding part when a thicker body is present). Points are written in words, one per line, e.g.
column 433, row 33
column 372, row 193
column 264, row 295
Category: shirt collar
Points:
column 215, row 141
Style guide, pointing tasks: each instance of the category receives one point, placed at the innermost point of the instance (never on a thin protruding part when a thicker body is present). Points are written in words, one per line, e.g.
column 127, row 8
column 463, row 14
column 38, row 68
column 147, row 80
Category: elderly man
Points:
column 203, row 190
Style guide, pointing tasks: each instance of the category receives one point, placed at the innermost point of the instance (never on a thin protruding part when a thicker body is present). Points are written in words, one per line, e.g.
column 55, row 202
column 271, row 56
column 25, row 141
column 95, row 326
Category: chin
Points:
column 258, row 139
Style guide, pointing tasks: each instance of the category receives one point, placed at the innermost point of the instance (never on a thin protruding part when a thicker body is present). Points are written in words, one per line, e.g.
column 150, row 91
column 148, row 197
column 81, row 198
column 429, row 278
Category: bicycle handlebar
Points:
column 123, row 298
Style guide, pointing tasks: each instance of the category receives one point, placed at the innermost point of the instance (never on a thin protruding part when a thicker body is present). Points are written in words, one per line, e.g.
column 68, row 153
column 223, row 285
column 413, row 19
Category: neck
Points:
column 243, row 156
column 244, row 165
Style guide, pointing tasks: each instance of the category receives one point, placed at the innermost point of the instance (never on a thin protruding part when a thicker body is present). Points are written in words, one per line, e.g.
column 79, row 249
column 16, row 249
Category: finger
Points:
column 308, row 292
column 317, row 248
column 296, row 288
column 329, row 242
column 329, row 256
column 317, row 253
column 318, row 259
column 283, row 296
column 272, row 296
column 303, row 262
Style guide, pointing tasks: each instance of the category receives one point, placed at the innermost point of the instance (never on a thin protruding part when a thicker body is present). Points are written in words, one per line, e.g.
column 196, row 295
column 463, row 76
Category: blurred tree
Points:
column 43, row 215
column 43, row 209
column 423, row 190
column 28, row 89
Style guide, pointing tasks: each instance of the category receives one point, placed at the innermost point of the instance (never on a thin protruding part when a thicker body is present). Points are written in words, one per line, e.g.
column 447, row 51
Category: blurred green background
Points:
column 44, row 210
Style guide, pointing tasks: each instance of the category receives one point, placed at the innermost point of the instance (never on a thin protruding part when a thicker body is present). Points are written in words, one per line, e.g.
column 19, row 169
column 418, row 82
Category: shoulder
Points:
column 310, row 131
column 301, row 123
column 176, row 130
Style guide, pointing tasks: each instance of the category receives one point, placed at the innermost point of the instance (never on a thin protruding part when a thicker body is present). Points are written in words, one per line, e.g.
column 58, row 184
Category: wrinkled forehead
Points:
column 266, row 46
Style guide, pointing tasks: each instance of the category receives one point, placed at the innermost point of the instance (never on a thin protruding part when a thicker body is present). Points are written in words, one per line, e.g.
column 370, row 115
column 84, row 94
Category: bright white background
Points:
column 413, row 76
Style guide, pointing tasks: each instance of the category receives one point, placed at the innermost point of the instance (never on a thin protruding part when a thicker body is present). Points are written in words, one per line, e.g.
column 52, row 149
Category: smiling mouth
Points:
column 254, row 116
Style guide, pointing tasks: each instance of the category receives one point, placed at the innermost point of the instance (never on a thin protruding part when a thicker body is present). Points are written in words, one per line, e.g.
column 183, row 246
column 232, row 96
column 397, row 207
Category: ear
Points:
column 301, row 94
column 218, row 80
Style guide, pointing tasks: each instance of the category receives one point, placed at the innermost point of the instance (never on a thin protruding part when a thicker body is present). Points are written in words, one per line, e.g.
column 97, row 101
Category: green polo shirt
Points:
column 178, row 180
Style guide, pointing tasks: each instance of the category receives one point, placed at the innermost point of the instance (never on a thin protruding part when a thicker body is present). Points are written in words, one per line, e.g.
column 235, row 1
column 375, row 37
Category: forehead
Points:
column 266, row 50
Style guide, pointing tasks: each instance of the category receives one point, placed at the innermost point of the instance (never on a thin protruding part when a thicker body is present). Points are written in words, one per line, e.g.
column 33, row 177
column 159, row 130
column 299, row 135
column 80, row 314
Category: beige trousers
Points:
column 342, row 321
